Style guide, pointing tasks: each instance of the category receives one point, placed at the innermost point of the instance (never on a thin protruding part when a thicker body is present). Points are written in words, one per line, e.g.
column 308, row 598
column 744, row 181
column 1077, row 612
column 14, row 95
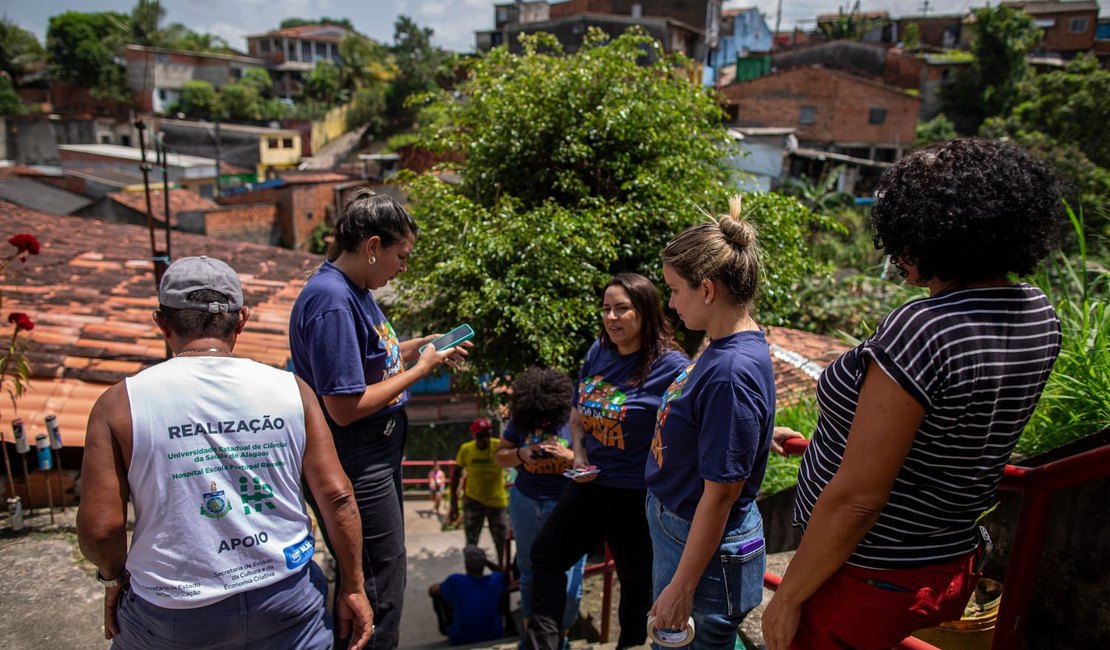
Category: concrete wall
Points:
column 35, row 141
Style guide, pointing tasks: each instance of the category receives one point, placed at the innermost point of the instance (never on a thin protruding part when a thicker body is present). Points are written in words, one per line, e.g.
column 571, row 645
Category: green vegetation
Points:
column 577, row 166
column 1076, row 401
column 10, row 103
column 938, row 129
column 20, row 51
column 782, row 472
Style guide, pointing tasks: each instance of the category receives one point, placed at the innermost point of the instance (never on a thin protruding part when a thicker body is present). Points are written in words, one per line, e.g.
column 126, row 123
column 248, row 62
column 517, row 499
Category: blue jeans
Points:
column 528, row 516
column 730, row 587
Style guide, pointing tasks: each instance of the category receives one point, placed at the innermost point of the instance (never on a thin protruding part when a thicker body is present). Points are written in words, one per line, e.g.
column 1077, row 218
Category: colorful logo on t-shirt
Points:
column 394, row 364
column 602, row 408
column 548, row 464
column 214, row 504
column 674, row 391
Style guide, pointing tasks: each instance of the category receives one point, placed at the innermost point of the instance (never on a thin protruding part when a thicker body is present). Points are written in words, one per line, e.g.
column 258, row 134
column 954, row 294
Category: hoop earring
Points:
column 373, row 260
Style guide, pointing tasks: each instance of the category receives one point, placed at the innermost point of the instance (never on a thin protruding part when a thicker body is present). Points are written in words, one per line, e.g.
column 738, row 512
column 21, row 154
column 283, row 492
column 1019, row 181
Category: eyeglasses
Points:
column 618, row 311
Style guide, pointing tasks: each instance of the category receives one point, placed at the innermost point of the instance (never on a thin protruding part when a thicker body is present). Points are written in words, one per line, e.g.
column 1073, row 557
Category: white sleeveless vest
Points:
column 215, row 480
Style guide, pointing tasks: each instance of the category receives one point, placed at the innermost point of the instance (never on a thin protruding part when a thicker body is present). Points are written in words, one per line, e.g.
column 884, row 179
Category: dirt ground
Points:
column 52, row 601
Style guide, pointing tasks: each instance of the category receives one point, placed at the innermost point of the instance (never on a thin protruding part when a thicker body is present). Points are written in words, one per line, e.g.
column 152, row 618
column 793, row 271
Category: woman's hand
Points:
column 558, row 451
column 432, row 358
column 781, row 434
column 780, row 623
column 673, row 606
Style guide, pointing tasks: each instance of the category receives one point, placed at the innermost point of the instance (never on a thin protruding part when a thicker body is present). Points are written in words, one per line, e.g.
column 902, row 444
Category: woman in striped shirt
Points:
column 916, row 424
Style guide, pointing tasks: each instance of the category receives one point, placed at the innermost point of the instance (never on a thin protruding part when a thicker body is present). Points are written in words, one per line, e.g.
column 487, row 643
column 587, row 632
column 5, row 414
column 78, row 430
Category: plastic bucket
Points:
column 975, row 631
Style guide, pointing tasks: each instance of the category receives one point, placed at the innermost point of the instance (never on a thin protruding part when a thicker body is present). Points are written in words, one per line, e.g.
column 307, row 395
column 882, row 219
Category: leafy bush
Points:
column 800, row 416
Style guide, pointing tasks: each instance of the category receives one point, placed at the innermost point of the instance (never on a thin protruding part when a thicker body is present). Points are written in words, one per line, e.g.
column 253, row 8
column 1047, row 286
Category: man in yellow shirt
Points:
column 485, row 494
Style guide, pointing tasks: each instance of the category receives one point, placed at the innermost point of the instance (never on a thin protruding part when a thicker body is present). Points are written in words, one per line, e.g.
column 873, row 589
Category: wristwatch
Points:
column 114, row 582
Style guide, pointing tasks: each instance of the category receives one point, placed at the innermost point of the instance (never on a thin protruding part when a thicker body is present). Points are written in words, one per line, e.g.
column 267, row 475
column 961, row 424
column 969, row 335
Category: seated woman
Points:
column 918, row 421
column 711, row 440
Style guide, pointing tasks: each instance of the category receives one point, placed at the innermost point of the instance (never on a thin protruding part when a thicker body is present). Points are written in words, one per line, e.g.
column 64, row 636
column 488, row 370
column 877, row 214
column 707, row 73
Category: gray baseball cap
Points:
column 190, row 274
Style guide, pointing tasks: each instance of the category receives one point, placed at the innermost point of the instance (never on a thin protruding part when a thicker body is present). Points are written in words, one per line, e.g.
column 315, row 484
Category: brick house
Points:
column 831, row 110
column 304, row 200
column 1069, row 27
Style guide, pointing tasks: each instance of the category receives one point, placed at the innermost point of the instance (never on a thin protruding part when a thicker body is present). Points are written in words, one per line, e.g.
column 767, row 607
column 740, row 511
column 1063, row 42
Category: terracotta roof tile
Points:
column 798, row 358
column 181, row 200
column 91, row 293
column 296, row 177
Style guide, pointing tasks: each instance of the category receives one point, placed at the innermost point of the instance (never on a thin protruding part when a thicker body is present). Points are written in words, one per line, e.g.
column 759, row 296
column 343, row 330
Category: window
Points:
column 125, row 140
column 877, row 116
column 105, row 138
column 207, row 191
column 334, row 52
column 162, row 94
column 321, row 50
column 237, row 74
column 306, row 51
column 287, row 143
column 272, row 143
column 292, row 56
column 1078, row 25
column 308, row 216
column 264, row 46
column 808, row 115
column 162, row 58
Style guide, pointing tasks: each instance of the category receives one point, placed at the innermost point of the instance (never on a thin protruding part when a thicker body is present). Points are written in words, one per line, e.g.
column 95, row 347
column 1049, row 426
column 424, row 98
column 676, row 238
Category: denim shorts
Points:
column 732, row 584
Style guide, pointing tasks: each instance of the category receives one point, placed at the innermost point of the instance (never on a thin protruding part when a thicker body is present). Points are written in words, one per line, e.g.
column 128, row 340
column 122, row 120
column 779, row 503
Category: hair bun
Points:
column 737, row 231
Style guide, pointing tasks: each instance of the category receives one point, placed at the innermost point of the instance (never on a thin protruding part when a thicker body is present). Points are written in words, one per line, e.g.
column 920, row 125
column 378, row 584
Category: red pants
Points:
column 873, row 609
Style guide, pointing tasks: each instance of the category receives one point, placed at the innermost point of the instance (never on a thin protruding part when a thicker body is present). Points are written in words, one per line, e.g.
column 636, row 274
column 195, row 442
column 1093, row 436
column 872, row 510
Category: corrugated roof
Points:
column 181, row 200
column 134, row 154
column 91, row 293
column 39, row 196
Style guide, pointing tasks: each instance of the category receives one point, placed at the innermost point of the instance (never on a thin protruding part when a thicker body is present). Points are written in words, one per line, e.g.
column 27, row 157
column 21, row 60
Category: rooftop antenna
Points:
column 925, row 9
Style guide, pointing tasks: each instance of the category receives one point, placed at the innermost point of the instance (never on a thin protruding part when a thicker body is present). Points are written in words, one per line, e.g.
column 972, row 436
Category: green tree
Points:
column 19, row 50
column 938, row 129
column 198, row 99
column 1071, row 105
column 258, row 79
column 146, row 19
column 422, row 68
column 1002, row 38
column 367, row 109
column 10, row 103
column 240, row 101
column 322, row 84
column 575, row 167
column 365, row 63
column 85, row 48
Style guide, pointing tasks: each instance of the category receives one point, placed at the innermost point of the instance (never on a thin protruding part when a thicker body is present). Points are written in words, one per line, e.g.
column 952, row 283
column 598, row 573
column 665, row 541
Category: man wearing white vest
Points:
column 211, row 450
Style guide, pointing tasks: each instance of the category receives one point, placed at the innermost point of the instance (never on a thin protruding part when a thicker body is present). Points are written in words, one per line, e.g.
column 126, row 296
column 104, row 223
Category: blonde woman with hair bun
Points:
column 712, row 437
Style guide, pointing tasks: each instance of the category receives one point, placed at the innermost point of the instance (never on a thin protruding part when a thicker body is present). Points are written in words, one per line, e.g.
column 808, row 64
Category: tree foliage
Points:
column 322, row 84
column 938, row 129
column 365, row 63
column 19, row 50
column 569, row 169
column 1002, row 38
column 10, row 102
column 198, row 99
column 422, row 68
column 240, row 101
column 84, row 47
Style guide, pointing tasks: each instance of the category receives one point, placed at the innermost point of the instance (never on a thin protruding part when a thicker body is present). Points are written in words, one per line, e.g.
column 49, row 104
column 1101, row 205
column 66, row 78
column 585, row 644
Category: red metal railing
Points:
column 1037, row 486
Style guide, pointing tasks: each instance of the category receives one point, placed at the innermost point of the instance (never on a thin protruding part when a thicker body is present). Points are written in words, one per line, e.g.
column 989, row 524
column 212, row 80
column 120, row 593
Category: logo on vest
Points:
column 259, row 497
column 213, row 503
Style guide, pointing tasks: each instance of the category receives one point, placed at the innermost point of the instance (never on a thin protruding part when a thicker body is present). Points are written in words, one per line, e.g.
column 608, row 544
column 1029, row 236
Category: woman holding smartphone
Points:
column 711, row 440
column 343, row 346
column 619, row 388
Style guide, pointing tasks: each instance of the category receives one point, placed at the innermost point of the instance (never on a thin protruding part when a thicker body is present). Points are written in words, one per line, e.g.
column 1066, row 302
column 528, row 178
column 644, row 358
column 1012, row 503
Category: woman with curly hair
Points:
column 917, row 423
column 620, row 386
column 536, row 440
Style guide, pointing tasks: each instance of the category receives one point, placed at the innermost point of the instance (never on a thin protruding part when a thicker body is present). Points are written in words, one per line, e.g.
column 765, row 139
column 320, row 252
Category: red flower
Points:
column 22, row 321
column 25, row 243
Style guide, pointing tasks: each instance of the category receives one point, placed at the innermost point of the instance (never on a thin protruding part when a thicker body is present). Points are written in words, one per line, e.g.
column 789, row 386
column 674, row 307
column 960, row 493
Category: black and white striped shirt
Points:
column 977, row 360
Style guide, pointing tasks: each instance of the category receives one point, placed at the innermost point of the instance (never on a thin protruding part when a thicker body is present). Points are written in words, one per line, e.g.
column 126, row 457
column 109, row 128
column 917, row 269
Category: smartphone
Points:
column 449, row 340
column 578, row 473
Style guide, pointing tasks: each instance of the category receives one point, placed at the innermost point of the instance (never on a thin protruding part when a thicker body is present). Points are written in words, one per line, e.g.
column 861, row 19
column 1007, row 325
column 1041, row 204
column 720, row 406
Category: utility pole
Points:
column 925, row 9
column 160, row 259
column 218, row 188
column 166, row 193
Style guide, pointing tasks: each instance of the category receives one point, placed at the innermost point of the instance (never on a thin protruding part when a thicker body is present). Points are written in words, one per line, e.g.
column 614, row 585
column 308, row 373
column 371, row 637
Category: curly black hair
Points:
column 541, row 398
column 968, row 209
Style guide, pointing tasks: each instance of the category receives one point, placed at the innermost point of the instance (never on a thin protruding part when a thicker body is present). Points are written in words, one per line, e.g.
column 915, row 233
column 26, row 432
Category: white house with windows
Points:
column 294, row 51
column 156, row 75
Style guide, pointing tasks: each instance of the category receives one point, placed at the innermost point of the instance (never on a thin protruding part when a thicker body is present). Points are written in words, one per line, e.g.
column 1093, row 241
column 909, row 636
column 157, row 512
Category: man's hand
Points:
column 356, row 619
column 111, row 606
column 780, row 623
column 780, row 435
column 582, row 461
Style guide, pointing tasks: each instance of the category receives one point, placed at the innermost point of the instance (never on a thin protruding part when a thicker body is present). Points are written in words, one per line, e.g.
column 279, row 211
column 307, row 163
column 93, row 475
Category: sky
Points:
column 454, row 21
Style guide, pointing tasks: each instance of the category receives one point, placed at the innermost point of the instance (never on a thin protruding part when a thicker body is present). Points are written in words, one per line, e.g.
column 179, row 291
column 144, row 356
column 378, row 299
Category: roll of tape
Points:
column 671, row 638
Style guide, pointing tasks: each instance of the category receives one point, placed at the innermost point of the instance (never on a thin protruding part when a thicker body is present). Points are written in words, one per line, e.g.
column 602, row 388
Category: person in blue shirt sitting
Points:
column 467, row 605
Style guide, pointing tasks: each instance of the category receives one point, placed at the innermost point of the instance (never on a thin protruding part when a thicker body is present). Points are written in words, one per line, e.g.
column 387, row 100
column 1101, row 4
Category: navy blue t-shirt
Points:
column 715, row 424
column 340, row 340
column 474, row 607
column 618, row 417
column 544, row 478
